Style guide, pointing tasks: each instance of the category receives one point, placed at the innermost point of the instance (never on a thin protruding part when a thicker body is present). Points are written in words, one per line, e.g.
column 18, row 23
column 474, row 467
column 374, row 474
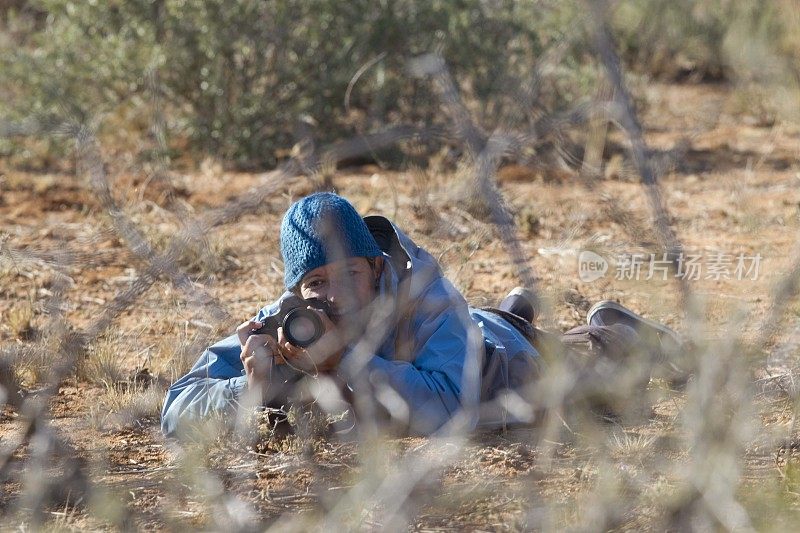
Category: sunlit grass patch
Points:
column 126, row 403
column 175, row 353
column 19, row 320
column 630, row 444
column 127, row 396
column 103, row 362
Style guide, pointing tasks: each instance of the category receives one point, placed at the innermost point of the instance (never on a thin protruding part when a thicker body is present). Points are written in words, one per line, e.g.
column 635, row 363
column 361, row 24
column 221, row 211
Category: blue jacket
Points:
column 438, row 354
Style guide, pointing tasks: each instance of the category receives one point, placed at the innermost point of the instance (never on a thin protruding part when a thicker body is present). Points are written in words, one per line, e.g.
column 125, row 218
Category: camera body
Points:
column 302, row 327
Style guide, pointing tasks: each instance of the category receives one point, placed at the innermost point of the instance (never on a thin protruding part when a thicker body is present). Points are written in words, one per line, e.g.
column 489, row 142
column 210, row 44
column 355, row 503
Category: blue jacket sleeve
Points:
column 443, row 376
column 214, row 384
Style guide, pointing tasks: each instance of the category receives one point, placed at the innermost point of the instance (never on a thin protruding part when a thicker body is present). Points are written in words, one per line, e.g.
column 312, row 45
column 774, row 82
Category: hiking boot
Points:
column 665, row 344
column 521, row 302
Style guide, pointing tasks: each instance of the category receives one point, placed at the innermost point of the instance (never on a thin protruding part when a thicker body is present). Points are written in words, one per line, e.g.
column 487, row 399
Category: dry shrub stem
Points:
column 714, row 419
column 605, row 50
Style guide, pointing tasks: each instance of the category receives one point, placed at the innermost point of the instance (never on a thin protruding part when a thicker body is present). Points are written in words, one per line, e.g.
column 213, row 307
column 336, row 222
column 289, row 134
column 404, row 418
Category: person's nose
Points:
column 339, row 292
column 333, row 293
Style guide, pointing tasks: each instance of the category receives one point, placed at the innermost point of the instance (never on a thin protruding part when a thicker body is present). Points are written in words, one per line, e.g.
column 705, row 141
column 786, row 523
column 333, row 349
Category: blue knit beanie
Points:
column 319, row 229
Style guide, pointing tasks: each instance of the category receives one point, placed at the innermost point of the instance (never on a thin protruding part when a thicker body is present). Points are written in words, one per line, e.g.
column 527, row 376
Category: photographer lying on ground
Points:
column 396, row 336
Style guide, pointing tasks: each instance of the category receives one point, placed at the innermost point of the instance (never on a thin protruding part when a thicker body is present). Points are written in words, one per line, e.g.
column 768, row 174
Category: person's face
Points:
column 347, row 285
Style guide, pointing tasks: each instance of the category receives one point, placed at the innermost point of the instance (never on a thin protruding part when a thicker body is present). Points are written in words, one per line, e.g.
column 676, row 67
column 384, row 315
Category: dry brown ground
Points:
column 735, row 190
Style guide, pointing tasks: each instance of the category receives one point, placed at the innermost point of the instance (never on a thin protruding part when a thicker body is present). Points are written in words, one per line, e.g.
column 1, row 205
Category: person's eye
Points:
column 314, row 284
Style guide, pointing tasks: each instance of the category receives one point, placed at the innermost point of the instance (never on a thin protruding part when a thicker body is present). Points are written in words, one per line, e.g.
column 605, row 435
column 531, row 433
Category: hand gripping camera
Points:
column 301, row 326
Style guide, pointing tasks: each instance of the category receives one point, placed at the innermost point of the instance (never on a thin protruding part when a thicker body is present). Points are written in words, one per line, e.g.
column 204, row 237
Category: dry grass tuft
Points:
column 175, row 355
column 322, row 177
column 631, row 444
column 127, row 397
column 204, row 255
column 125, row 404
column 20, row 320
column 135, row 401
column 103, row 362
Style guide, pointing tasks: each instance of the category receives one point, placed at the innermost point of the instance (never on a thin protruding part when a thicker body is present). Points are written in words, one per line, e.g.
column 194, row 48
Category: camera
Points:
column 301, row 326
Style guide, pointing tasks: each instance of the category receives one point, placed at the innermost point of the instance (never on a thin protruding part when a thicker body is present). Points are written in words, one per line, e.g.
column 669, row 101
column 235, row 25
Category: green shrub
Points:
column 674, row 38
column 711, row 39
column 235, row 77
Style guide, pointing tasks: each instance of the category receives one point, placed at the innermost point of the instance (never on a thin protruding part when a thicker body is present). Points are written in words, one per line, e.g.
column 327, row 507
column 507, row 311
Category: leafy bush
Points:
column 674, row 38
column 709, row 40
column 242, row 79
column 236, row 77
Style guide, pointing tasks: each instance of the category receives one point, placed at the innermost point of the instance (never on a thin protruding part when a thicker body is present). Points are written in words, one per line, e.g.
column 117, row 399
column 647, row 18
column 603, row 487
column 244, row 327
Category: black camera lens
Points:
column 302, row 327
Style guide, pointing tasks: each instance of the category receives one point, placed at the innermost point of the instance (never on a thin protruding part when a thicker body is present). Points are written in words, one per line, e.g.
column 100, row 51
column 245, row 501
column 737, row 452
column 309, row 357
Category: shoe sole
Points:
column 610, row 304
column 672, row 342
